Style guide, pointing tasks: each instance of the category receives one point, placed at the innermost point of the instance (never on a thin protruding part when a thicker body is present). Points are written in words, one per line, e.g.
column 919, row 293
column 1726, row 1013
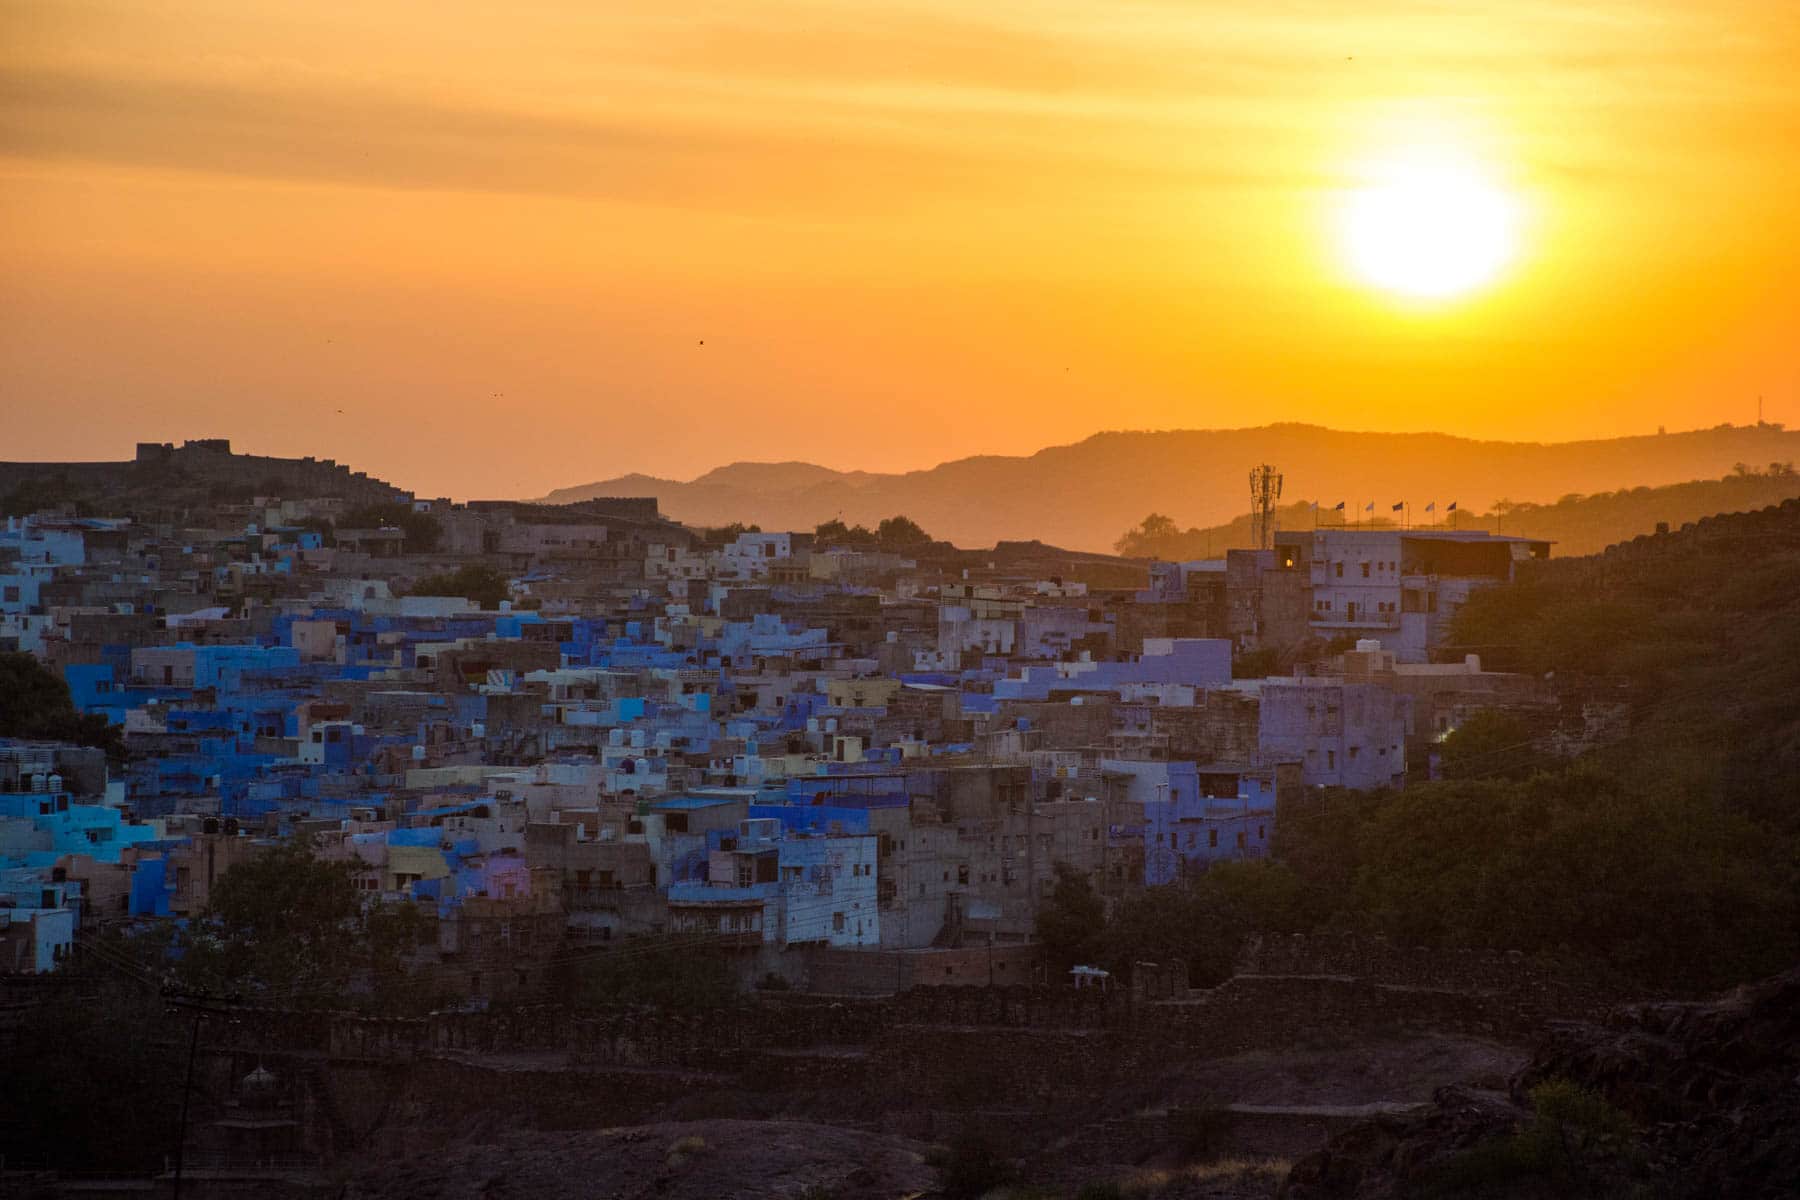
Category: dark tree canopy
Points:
column 482, row 584
column 835, row 533
column 34, row 703
column 1071, row 923
column 291, row 926
column 898, row 531
column 423, row 533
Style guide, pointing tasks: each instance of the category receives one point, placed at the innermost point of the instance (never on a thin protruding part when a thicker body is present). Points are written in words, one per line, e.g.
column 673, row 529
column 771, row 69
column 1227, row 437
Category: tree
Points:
column 475, row 581
column 291, row 929
column 423, row 533
column 724, row 534
column 34, row 703
column 835, row 533
column 89, row 1078
column 324, row 528
column 286, row 922
column 1492, row 743
column 901, row 531
column 1203, row 920
column 1152, row 532
column 1071, row 923
column 667, row 972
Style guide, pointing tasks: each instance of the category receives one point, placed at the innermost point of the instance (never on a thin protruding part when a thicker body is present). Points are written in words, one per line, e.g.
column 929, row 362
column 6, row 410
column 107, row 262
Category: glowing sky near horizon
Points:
column 496, row 236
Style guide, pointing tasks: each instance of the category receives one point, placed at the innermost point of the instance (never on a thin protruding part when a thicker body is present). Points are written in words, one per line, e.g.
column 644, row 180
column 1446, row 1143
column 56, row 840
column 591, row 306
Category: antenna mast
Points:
column 1265, row 490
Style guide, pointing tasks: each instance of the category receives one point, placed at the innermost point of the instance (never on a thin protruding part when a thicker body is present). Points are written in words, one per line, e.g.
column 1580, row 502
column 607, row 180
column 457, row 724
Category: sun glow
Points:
column 1428, row 224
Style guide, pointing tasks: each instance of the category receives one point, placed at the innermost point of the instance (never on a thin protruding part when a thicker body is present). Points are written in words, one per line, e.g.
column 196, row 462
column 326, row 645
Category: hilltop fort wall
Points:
column 206, row 463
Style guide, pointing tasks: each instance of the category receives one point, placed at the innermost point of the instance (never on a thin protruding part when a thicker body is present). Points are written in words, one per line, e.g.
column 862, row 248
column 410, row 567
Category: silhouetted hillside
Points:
column 166, row 480
column 1084, row 495
column 1577, row 524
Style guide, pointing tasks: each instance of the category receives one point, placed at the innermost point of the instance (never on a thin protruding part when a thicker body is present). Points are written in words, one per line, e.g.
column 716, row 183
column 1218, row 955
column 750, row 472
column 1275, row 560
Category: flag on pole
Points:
column 1340, row 506
column 1452, row 507
column 1432, row 507
column 1369, row 507
column 1399, row 504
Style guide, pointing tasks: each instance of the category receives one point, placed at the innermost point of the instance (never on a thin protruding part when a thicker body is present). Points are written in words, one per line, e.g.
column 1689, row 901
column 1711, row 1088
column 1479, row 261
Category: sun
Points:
column 1428, row 225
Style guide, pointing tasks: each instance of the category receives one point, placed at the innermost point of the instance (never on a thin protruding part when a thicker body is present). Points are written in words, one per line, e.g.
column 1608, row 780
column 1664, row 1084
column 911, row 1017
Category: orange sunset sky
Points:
column 495, row 235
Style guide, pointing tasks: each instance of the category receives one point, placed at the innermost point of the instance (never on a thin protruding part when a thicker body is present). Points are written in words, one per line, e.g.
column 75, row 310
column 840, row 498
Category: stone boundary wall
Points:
column 1376, row 959
column 1290, row 989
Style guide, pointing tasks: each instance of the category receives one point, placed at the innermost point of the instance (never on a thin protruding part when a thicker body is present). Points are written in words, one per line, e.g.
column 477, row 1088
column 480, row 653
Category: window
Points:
column 12, row 593
column 1241, row 839
column 1365, row 570
column 1340, row 569
column 962, row 873
column 837, row 922
column 1331, row 759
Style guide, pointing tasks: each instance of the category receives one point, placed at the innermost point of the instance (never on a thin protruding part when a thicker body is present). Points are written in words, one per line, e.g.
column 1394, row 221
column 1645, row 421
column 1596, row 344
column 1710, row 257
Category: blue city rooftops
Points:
column 690, row 803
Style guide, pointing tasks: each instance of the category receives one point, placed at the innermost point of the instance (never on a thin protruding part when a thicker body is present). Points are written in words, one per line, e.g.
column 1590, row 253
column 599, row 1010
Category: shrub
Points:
column 972, row 1167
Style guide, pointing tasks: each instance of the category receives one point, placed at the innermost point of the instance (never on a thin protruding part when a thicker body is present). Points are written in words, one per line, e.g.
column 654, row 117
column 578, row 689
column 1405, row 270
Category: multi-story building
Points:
column 1400, row 587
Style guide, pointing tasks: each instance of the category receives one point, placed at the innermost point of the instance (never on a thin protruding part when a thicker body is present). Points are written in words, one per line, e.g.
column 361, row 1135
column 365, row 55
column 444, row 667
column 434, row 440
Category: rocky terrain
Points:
column 1663, row 1099
column 688, row 1160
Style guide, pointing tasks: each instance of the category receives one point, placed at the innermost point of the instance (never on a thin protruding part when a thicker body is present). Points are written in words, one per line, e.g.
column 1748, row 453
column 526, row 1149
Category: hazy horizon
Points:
column 884, row 236
column 364, row 458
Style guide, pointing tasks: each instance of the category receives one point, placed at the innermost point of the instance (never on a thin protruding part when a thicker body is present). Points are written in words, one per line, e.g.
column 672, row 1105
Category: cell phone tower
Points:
column 1265, row 490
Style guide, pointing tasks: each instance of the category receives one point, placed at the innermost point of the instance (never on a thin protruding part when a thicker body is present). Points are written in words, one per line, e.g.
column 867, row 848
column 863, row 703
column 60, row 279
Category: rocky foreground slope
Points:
column 683, row 1160
column 1663, row 1099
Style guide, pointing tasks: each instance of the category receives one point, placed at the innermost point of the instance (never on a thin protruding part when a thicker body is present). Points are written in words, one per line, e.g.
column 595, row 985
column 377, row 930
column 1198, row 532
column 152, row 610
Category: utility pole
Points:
column 199, row 1004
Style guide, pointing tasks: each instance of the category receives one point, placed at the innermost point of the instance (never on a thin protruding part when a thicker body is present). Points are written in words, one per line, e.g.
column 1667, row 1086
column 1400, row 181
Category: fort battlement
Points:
column 168, row 475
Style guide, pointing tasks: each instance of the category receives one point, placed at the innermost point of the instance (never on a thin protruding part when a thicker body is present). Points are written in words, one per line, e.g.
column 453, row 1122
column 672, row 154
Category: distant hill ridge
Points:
column 1577, row 524
column 1087, row 494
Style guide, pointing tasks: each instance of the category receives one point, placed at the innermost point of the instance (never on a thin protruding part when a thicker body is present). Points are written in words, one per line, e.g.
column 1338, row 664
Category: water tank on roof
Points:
column 418, row 753
column 37, row 782
column 55, row 783
column 1367, row 645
